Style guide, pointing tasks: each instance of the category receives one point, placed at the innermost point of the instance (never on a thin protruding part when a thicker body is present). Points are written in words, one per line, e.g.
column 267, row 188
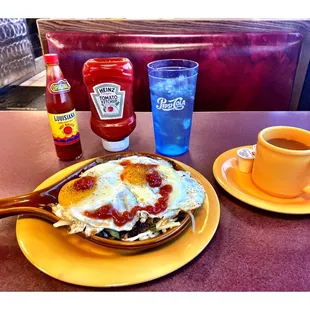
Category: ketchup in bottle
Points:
column 109, row 83
column 61, row 112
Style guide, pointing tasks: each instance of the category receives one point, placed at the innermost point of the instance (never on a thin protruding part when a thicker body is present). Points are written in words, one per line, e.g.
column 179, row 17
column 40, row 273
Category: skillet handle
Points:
column 31, row 203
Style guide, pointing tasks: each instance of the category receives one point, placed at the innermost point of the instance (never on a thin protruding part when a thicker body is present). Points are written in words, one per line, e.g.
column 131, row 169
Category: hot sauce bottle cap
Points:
column 51, row 59
column 116, row 146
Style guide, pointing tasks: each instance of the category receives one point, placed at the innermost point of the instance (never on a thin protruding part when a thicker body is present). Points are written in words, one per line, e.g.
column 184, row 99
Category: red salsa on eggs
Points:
column 120, row 219
column 84, row 183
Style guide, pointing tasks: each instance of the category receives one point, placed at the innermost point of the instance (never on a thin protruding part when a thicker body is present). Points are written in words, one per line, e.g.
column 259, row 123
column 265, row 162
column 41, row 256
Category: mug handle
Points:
column 306, row 190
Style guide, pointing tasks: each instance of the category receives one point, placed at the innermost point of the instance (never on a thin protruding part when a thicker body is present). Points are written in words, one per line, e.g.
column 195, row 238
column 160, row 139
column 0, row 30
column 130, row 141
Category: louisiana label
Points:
column 64, row 128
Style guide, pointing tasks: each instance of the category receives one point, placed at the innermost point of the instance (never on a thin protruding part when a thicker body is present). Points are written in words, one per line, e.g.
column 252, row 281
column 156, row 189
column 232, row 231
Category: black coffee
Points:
column 288, row 144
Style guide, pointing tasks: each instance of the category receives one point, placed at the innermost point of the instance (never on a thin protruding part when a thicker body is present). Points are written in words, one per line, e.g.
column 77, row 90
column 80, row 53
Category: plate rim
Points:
column 216, row 214
column 244, row 197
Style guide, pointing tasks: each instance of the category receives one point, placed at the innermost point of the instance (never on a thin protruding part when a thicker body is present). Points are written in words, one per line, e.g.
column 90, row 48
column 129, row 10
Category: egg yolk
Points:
column 135, row 174
column 70, row 193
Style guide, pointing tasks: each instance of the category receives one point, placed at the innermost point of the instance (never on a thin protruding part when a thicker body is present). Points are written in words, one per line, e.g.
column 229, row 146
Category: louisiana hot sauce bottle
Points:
column 61, row 112
column 109, row 82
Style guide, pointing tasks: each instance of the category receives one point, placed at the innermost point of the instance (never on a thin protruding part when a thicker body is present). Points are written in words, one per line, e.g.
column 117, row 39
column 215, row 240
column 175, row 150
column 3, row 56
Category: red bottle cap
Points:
column 51, row 59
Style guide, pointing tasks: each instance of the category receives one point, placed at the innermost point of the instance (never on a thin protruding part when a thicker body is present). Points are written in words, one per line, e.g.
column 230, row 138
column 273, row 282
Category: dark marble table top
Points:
column 252, row 249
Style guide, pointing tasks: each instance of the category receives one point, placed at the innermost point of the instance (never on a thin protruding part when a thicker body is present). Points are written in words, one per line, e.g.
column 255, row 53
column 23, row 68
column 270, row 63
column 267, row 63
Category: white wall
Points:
column 297, row 9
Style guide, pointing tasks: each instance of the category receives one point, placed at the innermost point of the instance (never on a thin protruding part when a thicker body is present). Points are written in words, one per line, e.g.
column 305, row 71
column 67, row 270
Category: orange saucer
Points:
column 241, row 186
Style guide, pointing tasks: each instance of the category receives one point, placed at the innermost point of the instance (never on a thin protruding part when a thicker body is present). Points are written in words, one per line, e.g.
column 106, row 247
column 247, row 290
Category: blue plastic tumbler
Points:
column 172, row 88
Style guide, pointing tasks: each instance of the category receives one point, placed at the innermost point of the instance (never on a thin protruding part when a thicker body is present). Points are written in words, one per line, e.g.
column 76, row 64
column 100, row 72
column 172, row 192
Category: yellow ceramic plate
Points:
column 73, row 259
column 240, row 185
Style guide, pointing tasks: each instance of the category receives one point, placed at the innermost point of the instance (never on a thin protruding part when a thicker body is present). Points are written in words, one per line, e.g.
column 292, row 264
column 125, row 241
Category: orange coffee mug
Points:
column 282, row 162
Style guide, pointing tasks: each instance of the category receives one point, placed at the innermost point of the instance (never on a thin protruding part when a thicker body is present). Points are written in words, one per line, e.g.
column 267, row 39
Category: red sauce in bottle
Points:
column 109, row 83
column 61, row 112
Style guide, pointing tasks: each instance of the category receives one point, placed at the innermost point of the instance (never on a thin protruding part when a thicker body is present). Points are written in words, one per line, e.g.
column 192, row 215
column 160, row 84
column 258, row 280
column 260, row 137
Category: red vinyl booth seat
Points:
column 237, row 71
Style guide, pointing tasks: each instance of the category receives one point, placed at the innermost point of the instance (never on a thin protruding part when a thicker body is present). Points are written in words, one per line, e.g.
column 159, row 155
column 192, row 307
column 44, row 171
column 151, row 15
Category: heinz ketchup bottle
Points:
column 109, row 82
column 61, row 112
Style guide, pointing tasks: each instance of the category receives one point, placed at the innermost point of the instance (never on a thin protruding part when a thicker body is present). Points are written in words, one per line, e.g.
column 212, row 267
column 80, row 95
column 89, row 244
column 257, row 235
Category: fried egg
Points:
column 122, row 185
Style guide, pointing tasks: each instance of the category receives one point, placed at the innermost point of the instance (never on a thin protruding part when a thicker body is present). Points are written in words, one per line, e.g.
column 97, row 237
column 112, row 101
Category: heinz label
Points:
column 59, row 86
column 64, row 128
column 109, row 100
